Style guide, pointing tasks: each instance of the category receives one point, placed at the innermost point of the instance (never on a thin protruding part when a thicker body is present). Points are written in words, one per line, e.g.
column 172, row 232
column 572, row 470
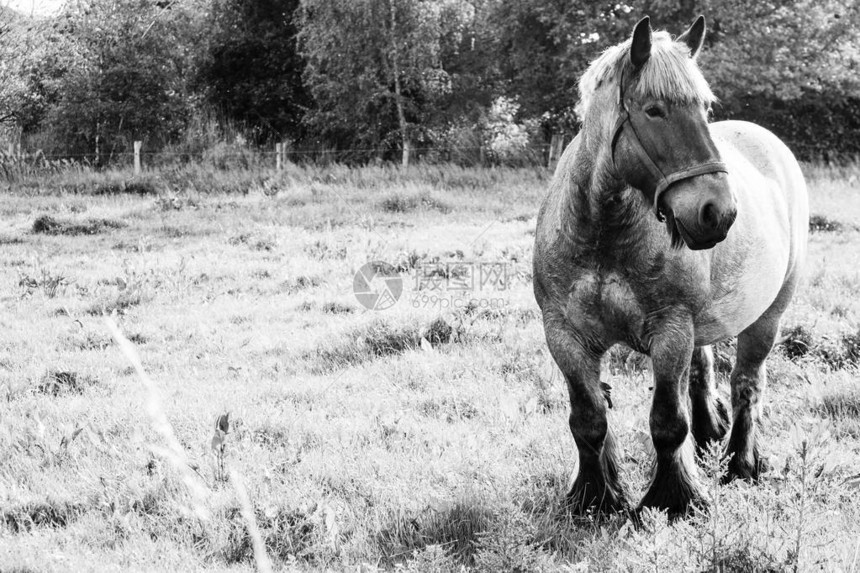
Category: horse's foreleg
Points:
column 748, row 382
column 710, row 415
column 596, row 485
column 674, row 486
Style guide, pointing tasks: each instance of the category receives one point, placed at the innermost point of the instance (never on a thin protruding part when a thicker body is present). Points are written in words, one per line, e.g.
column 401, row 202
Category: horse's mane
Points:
column 670, row 73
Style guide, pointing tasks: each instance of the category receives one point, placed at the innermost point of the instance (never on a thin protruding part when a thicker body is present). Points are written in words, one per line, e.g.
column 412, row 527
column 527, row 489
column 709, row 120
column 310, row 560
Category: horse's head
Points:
column 660, row 142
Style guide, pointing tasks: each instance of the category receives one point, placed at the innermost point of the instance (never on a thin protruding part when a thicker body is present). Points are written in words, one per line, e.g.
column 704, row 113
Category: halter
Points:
column 663, row 180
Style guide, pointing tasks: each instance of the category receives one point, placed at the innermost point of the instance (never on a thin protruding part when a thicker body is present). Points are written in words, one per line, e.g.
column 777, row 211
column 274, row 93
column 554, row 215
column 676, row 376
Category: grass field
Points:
column 431, row 436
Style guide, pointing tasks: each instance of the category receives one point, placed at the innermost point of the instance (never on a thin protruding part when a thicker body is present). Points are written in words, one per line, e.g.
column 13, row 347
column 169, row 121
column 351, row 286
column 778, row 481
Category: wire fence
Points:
column 15, row 161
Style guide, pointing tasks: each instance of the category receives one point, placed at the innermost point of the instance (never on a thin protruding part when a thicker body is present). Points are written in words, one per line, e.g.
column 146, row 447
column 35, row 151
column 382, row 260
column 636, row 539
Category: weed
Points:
column 47, row 282
column 797, row 342
column 285, row 532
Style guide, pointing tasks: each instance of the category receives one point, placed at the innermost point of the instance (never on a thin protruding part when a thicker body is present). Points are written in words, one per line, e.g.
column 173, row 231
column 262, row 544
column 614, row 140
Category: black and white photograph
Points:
column 430, row 286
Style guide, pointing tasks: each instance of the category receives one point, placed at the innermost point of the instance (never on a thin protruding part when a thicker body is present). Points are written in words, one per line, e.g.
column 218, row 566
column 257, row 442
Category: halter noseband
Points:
column 663, row 180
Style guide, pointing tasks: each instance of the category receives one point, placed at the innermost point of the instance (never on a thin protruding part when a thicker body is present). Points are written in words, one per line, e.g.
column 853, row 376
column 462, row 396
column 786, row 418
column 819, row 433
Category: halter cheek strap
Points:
column 663, row 180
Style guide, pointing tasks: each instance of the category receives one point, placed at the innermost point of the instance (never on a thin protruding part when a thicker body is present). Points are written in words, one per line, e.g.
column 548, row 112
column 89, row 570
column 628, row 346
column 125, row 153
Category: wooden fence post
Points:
column 556, row 148
column 285, row 148
column 137, row 145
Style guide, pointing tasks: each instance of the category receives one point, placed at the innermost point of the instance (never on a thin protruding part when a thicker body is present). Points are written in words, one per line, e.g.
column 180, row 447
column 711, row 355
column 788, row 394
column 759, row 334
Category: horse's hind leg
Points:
column 710, row 415
column 748, row 382
column 674, row 486
column 596, row 485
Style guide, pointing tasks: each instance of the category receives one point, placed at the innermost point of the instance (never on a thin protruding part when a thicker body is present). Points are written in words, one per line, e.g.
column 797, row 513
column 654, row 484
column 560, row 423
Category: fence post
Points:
column 285, row 148
column 11, row 149
column 556, row 148
column 279, row 148
column 137, row 145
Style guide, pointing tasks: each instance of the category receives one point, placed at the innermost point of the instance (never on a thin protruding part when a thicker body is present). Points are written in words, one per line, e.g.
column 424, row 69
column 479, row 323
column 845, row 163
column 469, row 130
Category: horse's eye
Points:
column 654, row 112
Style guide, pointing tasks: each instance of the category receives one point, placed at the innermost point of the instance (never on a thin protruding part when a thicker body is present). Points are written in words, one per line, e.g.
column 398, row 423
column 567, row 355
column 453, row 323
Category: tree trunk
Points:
column 398, row 93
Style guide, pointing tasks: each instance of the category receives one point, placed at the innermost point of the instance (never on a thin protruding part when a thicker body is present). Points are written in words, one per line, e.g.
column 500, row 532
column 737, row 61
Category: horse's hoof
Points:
column 674, row 489
column 676, row 506
column 746, row 469
column 678, row 512
column 593, row 495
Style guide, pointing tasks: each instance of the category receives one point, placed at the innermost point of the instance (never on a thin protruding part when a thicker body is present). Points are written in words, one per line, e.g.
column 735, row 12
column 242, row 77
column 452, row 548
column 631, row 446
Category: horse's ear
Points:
column 640, row 47
column 694, row 37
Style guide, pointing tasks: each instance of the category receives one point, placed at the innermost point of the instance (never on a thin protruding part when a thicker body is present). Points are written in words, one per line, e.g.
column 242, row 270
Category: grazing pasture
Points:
column 431, row 436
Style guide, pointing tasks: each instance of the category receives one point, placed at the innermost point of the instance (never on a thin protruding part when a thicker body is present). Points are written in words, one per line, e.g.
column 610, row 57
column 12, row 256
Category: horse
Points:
column 666, row 233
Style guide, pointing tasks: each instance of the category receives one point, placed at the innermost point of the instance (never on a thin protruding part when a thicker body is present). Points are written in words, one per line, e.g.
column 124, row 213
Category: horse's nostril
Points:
column 709, row 216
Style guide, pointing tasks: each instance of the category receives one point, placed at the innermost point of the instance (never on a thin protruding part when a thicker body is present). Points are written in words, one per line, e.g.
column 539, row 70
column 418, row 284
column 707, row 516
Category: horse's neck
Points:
column 603, row 212
column 592, row 182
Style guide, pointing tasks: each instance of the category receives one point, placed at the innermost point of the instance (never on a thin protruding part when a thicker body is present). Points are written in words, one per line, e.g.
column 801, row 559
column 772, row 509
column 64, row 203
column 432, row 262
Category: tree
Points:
column 126, row 75
column 27, row 66
column 374, row 67
column 251, row 70
column 781, row 48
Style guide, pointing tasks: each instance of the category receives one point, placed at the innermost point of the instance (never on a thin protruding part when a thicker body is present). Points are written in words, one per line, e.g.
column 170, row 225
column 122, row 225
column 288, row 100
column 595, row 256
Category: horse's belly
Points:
column 748, row 274
column 730, row 315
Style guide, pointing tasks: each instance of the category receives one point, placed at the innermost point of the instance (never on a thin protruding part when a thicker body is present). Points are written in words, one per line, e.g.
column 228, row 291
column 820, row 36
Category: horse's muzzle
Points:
column 701, row 210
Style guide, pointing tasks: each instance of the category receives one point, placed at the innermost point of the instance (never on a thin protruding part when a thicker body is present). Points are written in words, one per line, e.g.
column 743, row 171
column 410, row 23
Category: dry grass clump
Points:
column 837, row 352
column 254, row 242
column 25, row 517
column 143, row 185
column 57, row 382
column 840, row 404
column 45, row 224
column 405, row 203
column 822, row 224
column 377, row 339
column 119, row 302
column 300, row 283
column 335, row 307
column 456, row 529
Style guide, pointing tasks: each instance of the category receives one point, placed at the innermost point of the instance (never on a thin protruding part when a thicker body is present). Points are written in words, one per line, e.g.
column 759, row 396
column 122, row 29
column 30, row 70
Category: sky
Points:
column 33, row 7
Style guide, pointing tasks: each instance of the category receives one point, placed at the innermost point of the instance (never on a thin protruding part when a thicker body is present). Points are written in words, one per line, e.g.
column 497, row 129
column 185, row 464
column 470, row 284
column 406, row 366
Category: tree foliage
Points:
column 401, row 76
column 374, row 67
column 251, row 71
